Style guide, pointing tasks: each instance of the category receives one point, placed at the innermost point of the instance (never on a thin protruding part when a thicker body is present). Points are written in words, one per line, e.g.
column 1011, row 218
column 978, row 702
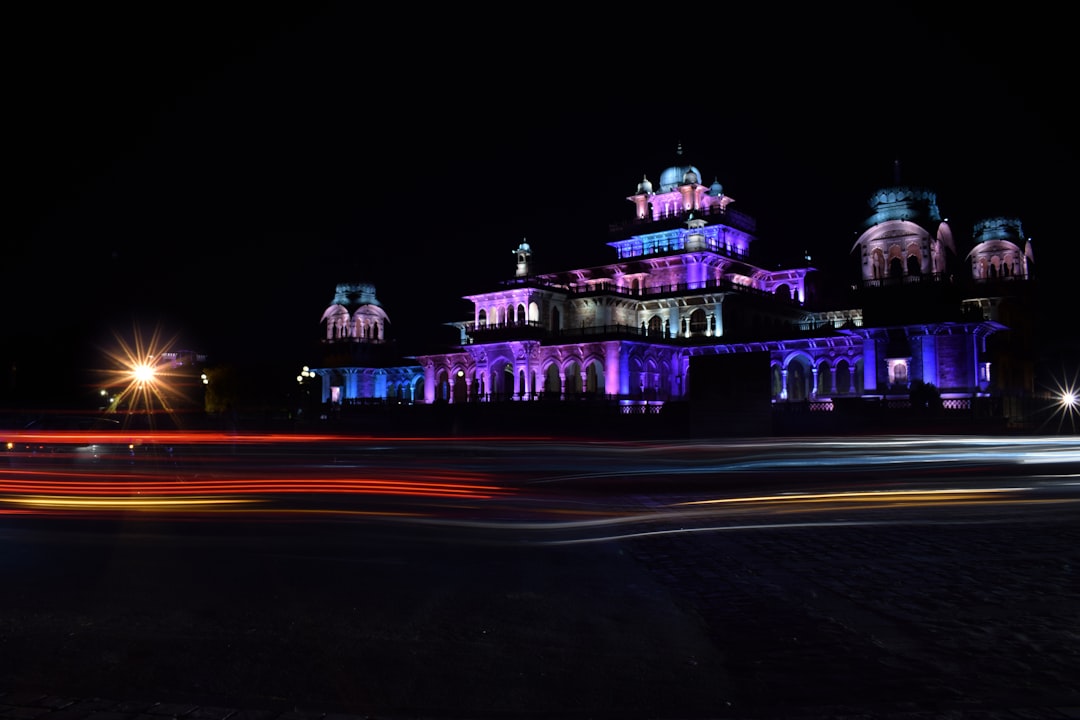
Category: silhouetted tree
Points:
column 925, row 398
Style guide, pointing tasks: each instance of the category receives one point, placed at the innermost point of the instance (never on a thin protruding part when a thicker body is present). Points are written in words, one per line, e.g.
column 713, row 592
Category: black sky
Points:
column 216, row 171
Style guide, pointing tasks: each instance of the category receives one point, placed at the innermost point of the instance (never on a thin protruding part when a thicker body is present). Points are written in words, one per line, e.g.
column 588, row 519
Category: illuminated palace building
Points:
column 917, row 311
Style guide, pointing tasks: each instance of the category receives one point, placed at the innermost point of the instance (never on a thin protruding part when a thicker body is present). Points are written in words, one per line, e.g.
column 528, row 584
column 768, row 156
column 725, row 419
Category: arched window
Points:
column 656, row 326
column 594, row 381
column 798, row 381
column 552, row 382
column 913, row 265
column 877, row 260
column 573, row 379
column 699, row 322
column 843, row 377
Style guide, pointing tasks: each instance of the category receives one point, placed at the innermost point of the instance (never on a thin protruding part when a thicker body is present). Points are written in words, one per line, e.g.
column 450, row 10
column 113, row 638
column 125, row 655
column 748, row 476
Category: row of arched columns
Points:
column 637, row 370
column 527, row 371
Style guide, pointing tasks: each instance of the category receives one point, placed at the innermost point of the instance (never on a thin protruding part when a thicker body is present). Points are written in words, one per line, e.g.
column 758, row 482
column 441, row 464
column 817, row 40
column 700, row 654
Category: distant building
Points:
column 916, row 312
column 359, row 361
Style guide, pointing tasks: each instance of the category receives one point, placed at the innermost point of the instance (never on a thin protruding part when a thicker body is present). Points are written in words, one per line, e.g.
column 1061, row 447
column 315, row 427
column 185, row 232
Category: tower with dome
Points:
column 359, row 360
column 683, row 286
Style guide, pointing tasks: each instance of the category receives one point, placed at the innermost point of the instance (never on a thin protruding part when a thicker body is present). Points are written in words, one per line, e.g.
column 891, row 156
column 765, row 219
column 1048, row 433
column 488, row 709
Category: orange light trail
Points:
column 213, row 437
column 350, row 486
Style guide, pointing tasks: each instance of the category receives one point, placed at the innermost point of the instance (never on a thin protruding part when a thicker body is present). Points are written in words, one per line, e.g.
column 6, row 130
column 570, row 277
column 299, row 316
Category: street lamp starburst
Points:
column 142, row 372
column 1065, row 402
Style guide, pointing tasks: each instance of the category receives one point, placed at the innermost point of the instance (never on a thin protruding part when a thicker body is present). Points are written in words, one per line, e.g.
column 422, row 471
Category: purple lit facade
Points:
column 683, row 284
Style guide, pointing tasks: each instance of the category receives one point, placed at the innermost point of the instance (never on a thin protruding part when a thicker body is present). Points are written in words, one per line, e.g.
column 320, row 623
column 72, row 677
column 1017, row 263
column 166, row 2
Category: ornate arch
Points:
column 798, row 371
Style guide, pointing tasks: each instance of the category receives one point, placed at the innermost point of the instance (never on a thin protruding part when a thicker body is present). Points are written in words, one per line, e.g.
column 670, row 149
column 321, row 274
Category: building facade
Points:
column 918, row 311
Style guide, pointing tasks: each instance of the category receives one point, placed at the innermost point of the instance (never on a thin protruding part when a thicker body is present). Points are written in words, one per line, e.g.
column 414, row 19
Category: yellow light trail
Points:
column 885, row 495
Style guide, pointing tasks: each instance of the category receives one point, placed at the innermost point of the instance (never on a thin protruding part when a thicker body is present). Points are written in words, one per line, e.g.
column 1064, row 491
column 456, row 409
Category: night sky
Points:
column 215, row 171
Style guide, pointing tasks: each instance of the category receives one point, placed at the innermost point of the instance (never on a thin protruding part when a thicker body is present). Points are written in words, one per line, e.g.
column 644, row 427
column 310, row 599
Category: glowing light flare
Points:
column 1066, row 402
column 141, row 373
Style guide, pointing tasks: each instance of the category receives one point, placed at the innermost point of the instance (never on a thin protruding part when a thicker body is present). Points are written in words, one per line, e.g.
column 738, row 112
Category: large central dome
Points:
column 678, row 174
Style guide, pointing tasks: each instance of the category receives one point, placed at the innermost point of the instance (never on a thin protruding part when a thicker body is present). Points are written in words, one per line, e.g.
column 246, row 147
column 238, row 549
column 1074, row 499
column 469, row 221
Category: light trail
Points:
column 758, row 526
column 877, row 495
column 123, row 503
column 516, row 485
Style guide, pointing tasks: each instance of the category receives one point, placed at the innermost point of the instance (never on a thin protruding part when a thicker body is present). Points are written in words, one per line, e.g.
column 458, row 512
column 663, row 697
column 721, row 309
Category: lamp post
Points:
column 304, row 380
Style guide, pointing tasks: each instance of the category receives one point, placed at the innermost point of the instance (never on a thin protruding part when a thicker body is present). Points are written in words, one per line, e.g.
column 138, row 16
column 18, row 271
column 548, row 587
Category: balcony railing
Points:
column 651, row 291
column 938, row 279
column 533, row 330
column 725, row 216
column 491, row 332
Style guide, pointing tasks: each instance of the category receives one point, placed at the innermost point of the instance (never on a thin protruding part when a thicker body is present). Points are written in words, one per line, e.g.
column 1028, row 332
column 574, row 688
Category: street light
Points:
column 1065, row 399
column 144, row 373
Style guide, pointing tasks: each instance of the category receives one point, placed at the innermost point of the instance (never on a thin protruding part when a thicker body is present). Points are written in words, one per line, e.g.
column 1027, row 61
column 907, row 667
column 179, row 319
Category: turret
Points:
column 904, row 236
column 997, row 252
column 524, row 259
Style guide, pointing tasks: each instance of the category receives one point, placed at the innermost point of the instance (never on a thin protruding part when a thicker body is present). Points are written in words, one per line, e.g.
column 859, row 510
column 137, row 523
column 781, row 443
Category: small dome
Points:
column 918, row 205
column 999, row 229
column 716, row 189
column 676, row 175
column 353, row 295
column 644, row 187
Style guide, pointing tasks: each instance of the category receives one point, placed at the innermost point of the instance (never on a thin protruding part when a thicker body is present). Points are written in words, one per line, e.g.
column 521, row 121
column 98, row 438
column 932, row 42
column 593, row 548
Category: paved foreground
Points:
column 976, row 620
column 948, row 619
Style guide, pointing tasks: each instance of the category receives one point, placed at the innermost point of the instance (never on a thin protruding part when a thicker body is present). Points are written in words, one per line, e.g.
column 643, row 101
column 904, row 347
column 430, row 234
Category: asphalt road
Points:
column 643, row 582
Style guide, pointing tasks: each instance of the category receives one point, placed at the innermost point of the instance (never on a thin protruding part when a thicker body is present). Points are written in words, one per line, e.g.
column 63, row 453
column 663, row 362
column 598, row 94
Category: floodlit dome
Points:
column 644, row 187
column 678, row 174
column 999, row 229
column 716, row 189
column 903, row 203
column 352, row 295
